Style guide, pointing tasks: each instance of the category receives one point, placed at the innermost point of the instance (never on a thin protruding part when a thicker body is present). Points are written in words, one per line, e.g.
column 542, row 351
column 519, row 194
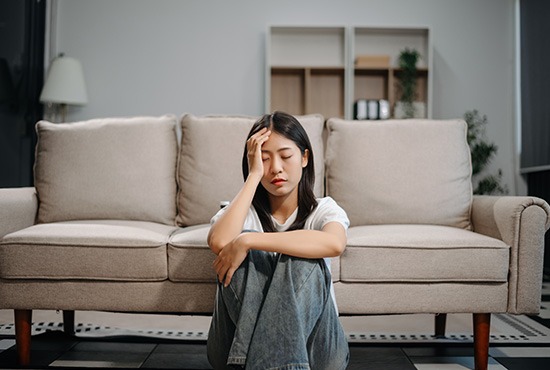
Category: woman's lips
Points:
column 278, row 182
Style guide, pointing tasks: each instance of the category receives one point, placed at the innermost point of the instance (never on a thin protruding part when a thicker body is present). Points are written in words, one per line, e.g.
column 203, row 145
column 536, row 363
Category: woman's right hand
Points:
column 254, row 152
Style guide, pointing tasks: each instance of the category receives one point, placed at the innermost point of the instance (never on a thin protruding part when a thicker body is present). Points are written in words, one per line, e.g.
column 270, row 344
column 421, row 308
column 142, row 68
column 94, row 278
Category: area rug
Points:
column 377, row 329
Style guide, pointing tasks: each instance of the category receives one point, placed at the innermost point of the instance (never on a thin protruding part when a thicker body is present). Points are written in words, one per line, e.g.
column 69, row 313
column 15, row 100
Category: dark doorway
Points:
column 535, row 115
column 22, row 27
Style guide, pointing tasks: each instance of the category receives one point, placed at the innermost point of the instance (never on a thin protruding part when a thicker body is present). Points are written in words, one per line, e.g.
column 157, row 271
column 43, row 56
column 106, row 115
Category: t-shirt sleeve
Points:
column 330, row 211
column 217, row 215
column 251, row 221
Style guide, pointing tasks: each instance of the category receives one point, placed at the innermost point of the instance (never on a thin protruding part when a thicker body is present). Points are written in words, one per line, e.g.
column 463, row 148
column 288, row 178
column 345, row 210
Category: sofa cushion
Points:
column 112, row 168
column 400, row 171
column 422, row 253
column 87, row 250
column 209, row 169
column 189, row 257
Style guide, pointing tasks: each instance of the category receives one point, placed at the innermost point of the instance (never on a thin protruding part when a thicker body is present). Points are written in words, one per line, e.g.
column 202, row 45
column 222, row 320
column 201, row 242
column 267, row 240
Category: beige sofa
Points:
column 118, row 218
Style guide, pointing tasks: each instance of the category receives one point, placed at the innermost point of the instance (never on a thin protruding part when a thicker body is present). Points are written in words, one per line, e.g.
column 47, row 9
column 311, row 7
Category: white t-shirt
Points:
column 326, row 211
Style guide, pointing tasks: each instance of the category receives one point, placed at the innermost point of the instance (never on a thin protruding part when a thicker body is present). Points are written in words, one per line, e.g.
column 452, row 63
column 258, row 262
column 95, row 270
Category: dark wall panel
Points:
column 21, row 78
column 535, row 83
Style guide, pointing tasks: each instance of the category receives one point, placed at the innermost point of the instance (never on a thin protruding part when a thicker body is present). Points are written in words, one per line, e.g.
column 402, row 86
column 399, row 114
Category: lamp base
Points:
column 56, row 113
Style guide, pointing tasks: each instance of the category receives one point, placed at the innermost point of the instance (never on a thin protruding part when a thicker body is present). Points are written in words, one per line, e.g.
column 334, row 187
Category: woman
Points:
column 275, row 306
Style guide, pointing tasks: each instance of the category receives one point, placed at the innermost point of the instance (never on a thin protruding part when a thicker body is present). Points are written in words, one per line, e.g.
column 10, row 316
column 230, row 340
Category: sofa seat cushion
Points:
column 189, row 257
column 87, row 250
column 422, row 253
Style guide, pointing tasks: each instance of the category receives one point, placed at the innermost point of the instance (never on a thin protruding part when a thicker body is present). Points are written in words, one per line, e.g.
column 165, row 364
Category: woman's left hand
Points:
column 230, row 258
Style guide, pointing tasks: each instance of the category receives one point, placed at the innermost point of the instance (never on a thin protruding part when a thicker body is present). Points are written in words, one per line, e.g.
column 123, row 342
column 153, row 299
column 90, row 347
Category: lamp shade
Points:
column 64, row 83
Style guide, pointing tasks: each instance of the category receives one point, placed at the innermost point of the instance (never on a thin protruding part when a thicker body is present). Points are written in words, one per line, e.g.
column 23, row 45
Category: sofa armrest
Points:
column 520, row 222
column 18, row 209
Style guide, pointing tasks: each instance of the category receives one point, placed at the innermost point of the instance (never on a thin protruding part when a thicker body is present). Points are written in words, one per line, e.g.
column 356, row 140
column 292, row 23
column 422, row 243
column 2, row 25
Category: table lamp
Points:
column 64, row 84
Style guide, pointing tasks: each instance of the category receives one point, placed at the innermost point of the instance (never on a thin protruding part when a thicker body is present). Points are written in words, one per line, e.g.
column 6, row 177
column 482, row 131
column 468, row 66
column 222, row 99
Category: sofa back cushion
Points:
column 112, row 168
column 400, row 171
column 209, row 169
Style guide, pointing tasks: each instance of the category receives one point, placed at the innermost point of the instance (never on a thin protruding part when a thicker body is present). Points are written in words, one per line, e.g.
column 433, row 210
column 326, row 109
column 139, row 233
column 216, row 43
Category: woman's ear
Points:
column 305, row 158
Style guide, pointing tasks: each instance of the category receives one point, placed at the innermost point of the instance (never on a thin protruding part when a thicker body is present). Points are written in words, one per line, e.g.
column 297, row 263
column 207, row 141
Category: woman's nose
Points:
column 276, row 166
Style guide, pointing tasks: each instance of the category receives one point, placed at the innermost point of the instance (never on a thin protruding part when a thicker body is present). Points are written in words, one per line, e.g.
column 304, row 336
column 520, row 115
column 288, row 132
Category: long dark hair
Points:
column 286, row 125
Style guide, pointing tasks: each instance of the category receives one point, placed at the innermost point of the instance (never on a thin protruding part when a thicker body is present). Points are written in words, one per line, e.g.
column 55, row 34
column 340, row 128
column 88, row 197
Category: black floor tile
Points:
column 39, row 359
column 52, row 341
column 114, row 347
column 109, row 359
column 181, row 348
column 512, row 363
column 177, row 361
column 438, row 351
column 183, row 356
column 369, row 358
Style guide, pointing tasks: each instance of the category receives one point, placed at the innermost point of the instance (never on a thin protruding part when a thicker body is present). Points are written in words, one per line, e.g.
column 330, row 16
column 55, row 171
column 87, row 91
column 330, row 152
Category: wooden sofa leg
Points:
column 23, row 322
column 482, row 328
column 68, row 322
column 440, row 324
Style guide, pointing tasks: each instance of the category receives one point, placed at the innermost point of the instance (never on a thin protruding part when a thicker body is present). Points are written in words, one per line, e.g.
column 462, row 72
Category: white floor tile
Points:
column 95, row 364
column 519, row 352
column 451, row 363
column 545, row 311
column 6, row 343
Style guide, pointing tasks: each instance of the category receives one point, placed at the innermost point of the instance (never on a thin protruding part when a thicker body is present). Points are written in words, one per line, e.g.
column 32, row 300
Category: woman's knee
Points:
column 304, row 271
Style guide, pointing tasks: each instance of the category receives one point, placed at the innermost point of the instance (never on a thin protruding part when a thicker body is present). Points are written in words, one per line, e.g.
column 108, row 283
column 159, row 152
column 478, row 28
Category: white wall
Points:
column 207, row 56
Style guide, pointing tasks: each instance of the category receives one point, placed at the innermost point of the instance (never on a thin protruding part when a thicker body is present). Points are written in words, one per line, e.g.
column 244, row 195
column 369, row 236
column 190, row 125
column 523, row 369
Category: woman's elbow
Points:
column 338, row 250
column 338, row 247
column 214, row 243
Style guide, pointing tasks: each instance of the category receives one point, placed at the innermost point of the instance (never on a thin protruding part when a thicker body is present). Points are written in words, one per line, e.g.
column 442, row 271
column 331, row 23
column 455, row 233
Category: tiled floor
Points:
column 114, row 342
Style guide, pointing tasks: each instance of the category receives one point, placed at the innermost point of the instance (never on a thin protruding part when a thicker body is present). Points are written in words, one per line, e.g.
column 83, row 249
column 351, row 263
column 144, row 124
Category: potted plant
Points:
column 408, row 58
column 482, row 152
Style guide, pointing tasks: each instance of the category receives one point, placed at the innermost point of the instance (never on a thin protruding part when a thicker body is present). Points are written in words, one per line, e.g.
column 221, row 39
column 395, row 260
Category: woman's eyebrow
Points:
column 278, row 150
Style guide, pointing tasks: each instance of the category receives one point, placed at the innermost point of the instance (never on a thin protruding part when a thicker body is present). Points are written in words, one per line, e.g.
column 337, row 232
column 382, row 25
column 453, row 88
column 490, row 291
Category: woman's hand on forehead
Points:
column 254, row 150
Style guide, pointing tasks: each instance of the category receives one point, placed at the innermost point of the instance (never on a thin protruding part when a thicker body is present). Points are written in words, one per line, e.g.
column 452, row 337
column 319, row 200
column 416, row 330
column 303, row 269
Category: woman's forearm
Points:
column 299, row 243
column 230, row 224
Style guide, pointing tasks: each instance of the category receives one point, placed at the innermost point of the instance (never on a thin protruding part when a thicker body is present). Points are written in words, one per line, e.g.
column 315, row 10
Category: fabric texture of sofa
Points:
column 118, row 218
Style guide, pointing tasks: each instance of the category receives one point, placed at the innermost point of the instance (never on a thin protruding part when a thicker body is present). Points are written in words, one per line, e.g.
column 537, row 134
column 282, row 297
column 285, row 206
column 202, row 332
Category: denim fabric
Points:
column 277, row 313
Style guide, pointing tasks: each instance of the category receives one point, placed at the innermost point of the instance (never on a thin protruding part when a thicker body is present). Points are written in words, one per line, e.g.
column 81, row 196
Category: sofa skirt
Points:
column 198, row 298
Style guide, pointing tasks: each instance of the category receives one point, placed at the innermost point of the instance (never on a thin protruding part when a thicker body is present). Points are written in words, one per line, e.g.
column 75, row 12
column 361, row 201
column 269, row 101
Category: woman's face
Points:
column 283, row 164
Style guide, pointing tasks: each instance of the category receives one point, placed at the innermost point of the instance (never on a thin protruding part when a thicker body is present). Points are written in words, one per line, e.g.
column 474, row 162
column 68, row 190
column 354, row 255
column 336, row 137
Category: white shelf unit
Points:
column 312, row 69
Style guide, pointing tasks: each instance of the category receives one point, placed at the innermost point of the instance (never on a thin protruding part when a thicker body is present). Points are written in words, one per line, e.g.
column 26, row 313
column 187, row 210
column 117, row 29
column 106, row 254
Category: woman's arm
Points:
column 230, row 224
column 328, row 242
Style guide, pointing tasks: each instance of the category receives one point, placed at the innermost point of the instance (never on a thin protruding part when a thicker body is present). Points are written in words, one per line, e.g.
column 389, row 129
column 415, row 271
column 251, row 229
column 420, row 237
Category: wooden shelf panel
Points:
column 308, row 90
column 326, row 92
column 288, row 90
column 371, row 86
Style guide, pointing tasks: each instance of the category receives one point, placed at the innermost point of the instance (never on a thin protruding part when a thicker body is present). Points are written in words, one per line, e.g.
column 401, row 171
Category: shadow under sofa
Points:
column 118, row 218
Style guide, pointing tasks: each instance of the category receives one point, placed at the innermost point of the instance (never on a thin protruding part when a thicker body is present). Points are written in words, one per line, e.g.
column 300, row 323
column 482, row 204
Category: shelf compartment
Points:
column 421, row 85
column 303, row 90
column 288, row 90
column 325, row 92
column 307, row 46
column 371, row 83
